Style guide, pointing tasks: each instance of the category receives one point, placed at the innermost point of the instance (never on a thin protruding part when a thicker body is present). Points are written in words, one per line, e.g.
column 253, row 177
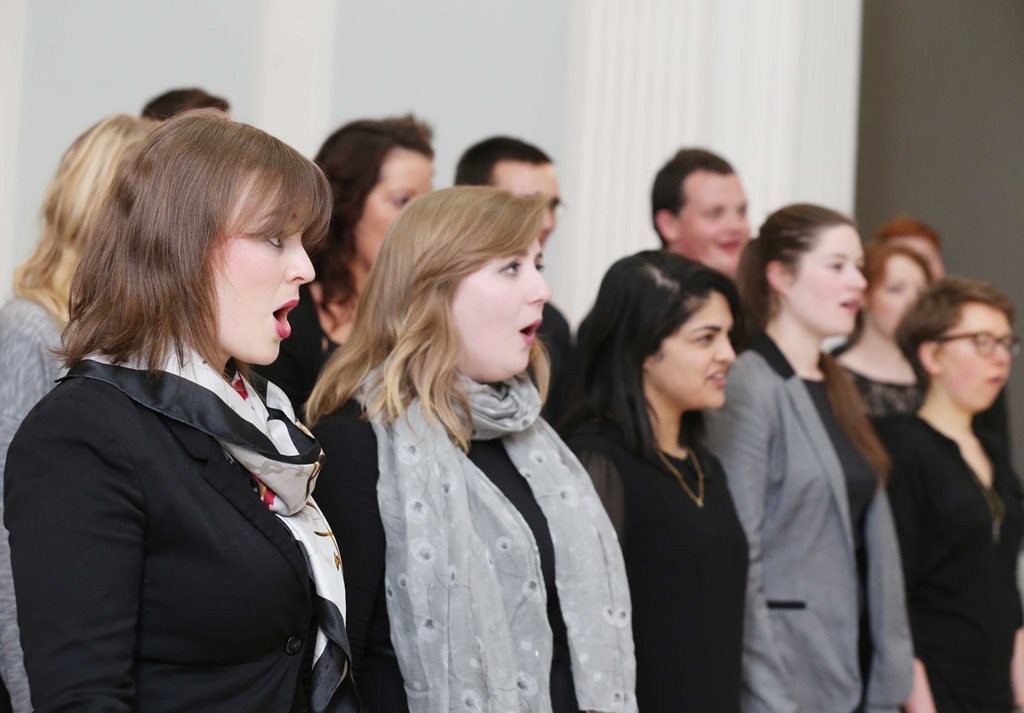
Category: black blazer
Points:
column 149, row 577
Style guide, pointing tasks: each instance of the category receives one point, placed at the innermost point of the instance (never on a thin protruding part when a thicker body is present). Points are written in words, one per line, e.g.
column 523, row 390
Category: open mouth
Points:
column 284, row 330
column 851, row 305
column 529, row 332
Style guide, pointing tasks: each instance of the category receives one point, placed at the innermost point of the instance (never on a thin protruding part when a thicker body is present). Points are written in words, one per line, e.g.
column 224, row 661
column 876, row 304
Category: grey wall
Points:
column 470, row 68
column 85, row 60
column 942, row 136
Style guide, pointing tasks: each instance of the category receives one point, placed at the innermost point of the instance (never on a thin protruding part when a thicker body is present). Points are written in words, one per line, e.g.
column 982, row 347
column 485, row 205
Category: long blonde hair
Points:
column 72, row 201
column 403, row 344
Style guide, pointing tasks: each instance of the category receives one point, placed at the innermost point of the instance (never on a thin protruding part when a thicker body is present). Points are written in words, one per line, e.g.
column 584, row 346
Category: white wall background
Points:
column 609, row 88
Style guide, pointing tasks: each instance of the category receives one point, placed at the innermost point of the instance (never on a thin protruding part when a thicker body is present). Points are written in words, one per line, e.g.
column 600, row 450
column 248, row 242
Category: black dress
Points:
column 302, row 355
column 959, row 561
column 346, row 492
column 687, row 571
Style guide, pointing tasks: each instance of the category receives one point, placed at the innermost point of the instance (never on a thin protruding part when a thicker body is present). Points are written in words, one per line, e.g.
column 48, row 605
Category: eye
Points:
column 539, row 265
column 512, row 268
column 400, row 201
column 276, row 241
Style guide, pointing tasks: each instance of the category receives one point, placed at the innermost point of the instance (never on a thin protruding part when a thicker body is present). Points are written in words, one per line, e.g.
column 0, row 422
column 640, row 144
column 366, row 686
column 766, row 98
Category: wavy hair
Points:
column 70, row 207
column 404, row 344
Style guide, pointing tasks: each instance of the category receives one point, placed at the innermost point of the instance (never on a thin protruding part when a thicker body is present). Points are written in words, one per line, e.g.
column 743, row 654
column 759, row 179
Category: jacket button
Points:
column 293, row 646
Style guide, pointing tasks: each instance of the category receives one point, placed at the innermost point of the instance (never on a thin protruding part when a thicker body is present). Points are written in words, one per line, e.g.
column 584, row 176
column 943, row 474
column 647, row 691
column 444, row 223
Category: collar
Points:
column 762, row 344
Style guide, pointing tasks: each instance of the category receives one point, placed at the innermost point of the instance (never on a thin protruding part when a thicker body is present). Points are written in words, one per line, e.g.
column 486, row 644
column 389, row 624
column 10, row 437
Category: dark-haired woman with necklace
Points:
column 656, row 354
column 826, row 626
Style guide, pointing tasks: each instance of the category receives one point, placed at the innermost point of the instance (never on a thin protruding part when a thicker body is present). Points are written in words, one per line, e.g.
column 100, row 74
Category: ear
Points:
column 928, row 355
column 780, row 277
column 667, row 223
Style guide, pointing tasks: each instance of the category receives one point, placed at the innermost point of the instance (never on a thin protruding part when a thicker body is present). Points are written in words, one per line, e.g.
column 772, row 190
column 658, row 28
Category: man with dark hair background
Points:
column 699, row 209
column 176, row 101
column 521, row 168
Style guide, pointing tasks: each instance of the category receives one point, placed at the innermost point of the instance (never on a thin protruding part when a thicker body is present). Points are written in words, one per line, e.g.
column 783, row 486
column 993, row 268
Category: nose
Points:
column 857, row 279
column 539, row 289
column 301, row 269
column 726, row 353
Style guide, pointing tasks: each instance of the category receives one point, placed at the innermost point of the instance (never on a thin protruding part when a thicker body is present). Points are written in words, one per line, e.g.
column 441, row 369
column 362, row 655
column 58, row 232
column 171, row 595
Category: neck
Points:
column 880, row 347
column 800, row 346
column 878, row 356
column 945, row 416
column 665, row 423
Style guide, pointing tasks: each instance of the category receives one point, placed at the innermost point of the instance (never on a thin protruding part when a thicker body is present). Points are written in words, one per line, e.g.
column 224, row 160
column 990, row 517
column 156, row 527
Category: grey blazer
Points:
column 802, row 624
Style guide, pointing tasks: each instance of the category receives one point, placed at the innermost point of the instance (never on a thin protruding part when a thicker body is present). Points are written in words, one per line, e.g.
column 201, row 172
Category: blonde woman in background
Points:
column 31, row 322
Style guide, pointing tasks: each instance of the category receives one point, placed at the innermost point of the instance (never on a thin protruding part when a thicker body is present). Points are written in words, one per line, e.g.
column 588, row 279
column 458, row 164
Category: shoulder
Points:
column 346, row 424
column 22, row 319
column 751, row 376
column 900, row 432
column 349, row 444
column 87, row 409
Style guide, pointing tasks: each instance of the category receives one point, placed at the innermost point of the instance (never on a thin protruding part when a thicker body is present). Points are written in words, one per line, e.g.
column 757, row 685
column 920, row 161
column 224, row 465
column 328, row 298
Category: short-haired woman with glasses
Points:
column 957, row 504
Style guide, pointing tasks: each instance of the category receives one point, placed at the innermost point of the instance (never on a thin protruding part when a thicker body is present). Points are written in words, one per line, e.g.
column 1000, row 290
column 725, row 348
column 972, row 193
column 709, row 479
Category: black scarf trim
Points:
column 189, row 403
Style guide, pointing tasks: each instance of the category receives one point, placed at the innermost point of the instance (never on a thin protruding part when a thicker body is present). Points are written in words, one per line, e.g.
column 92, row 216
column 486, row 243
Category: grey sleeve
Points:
column 27, row 373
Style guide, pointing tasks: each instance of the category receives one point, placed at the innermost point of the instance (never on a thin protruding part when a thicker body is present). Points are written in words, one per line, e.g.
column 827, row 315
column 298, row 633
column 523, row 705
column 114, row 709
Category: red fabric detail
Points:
column 239, row 386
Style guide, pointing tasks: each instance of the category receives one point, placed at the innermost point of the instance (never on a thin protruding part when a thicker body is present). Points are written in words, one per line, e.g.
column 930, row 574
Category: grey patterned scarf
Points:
column 463, row 583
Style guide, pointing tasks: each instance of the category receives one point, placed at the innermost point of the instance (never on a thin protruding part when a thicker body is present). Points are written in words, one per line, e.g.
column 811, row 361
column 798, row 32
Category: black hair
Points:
column 176, row 101
column 667, row 191
column 477, row 163
column 643, row 299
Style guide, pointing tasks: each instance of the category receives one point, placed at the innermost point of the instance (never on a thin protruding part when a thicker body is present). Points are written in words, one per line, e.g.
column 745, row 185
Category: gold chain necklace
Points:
column 699, row 497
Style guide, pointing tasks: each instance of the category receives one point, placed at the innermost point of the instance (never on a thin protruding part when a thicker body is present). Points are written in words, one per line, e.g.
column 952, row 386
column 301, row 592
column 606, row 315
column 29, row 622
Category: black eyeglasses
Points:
column 985, row 343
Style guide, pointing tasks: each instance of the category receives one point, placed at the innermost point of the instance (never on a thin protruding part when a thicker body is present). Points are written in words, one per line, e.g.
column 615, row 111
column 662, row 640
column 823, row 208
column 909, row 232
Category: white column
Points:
column 12, row 44
column 296, row 71
column 769, row 84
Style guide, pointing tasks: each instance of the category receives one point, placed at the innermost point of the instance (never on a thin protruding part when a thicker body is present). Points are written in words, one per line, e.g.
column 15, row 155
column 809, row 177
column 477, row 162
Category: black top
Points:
column 150, row 577
column 884, row 398
column 687, row 571
column 961, row 584
column 556, row 336
column 861, row 481
column 302, row 355
column 346, row 491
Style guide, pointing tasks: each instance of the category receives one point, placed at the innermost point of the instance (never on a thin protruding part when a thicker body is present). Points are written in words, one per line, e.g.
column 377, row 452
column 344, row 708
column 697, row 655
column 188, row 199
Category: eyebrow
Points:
column 715, row 328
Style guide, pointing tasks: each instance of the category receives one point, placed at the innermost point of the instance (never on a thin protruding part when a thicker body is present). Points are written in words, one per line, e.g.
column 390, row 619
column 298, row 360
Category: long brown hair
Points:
column 70, row 207
column 403, row 344
column 145, row 286
column 784, row 237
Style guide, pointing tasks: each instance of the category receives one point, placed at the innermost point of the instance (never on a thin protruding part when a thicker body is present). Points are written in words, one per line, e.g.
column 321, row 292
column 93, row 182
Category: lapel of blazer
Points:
column 817, row 435
column 227, row 478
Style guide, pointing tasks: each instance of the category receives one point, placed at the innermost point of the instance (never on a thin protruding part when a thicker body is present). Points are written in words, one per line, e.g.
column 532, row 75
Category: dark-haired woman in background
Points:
column 657, row 353
column 375, row 167
column 826, row 625
column 896, row 276
column 957, row 504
